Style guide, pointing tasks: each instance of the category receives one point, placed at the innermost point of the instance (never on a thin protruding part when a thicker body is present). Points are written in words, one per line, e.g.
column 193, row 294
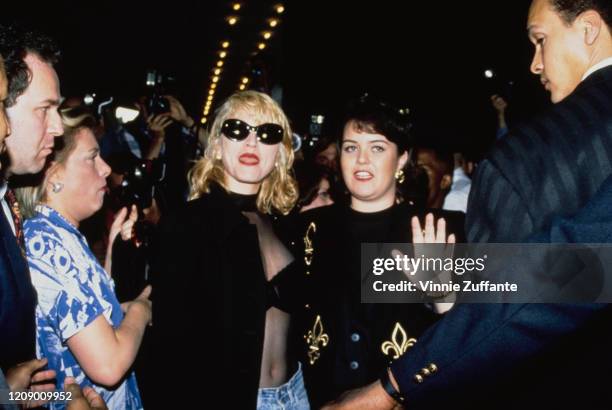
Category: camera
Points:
column 158, row 105
column 157, row 84
column 316, row 126
column 140, row 178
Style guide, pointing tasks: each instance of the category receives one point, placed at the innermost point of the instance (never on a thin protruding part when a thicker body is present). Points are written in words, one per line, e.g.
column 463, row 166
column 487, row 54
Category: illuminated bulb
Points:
column 217, row 71
column 232, row 20
column 213, row 85
column 215, row 79
column 203, row 120
column 267, row 35
column 225, row 44
column 222, row 54
column 220, row 63
column 242, row 87
column 261, row 46
column 245, row 80
column 280, row 9
column 236, row 6
column 273, row 23
column 211, row 91
column 209, row 98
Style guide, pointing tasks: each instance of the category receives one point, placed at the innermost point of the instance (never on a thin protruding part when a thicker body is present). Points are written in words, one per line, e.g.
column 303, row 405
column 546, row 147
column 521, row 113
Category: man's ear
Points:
column 446, row 182
column 592, row 24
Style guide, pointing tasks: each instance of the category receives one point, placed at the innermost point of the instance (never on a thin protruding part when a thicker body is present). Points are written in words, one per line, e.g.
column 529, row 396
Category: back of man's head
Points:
column 15, row 45
column 570, row 9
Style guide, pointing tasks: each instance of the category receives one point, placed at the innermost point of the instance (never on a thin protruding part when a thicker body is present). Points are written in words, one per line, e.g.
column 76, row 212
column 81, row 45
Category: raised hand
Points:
column 127, row 227
column 158, row 124
column 430, row 234
column 123, row 224
column 178, row 113
column 499, row 104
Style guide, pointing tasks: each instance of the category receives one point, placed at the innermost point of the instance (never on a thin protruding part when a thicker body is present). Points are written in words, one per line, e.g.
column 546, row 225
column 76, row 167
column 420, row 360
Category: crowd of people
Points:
column 154, row 263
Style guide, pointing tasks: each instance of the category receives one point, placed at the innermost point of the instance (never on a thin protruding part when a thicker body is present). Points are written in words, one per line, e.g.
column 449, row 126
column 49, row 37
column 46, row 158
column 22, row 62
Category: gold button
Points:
column 425, row 372
column 418, row 378
column 433, row 368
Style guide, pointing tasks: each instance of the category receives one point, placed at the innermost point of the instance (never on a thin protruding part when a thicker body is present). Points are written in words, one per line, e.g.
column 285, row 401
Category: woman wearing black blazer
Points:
column 345, row 344
column 217, row 333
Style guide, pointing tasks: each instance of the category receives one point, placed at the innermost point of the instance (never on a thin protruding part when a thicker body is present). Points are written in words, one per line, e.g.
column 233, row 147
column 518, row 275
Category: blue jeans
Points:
column 289, row 396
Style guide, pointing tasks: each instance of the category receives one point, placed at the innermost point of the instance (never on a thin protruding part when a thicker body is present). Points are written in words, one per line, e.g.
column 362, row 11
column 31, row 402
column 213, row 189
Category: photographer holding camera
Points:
column 149, row 157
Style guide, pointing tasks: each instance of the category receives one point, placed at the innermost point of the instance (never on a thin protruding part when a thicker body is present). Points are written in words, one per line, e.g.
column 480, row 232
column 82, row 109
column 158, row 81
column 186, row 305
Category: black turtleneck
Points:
column 245, row 203
column 370, row 227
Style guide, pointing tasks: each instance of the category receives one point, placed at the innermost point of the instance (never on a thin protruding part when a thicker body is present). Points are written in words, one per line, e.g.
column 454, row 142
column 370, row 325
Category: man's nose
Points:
column 55, row 126
column 536, row 63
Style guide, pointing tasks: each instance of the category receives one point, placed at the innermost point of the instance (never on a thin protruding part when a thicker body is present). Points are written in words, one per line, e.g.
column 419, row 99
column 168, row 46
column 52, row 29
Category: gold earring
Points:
column 400, row 177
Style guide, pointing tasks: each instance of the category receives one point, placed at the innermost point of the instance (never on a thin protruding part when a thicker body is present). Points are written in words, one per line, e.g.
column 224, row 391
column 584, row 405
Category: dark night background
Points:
column 427, row 56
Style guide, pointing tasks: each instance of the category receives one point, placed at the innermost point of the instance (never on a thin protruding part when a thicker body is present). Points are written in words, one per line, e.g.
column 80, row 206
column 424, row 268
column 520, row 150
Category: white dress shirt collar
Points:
column 603, row 63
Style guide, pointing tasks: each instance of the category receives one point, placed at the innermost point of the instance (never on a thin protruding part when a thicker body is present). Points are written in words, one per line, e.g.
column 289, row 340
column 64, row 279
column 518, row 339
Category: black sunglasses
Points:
column 238, row 130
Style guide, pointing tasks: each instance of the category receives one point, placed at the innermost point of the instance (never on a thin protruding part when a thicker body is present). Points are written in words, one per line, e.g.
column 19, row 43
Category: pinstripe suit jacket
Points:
column 546, row 168
column 543, row 171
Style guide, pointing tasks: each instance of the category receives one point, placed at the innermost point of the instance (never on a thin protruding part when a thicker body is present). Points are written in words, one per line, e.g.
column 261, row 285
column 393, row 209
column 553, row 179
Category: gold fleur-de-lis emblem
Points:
column 316, row 339
column 308, row 248
column 398, row 344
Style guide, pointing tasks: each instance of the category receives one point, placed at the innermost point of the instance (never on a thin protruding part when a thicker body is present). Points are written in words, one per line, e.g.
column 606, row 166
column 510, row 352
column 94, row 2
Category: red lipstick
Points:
column 249, row 159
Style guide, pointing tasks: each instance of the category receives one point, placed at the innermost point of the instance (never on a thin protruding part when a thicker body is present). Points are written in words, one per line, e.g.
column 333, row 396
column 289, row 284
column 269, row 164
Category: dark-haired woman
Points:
column 344, row 343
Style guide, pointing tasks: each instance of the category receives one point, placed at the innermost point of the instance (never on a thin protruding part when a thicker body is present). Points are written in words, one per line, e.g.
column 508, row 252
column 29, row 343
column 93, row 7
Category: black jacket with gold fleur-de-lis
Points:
column 342, row 343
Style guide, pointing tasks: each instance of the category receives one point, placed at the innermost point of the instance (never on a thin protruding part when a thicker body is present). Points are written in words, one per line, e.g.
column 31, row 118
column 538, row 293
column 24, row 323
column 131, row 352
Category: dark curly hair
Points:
column 372, row 114
column 15, row 44
column 570, row 9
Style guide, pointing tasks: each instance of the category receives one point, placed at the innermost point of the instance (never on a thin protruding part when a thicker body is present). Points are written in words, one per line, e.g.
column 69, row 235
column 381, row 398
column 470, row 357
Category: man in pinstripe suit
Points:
column 543, row 171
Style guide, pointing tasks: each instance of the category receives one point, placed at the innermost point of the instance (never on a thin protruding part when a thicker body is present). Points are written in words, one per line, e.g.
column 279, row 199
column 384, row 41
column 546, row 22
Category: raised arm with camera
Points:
column 157, row 125
column 177, row 112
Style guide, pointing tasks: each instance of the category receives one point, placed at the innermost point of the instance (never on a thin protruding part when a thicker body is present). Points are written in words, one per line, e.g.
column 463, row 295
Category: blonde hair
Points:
column 35, row 193
column 279, row 189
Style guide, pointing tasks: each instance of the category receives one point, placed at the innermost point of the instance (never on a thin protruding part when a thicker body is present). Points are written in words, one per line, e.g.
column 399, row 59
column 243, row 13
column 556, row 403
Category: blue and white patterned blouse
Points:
column 73, row 290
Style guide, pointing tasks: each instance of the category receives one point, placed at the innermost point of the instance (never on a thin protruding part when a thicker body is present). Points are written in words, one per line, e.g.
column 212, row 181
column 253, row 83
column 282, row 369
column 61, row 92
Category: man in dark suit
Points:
column 30, row 94
column 543, row 170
